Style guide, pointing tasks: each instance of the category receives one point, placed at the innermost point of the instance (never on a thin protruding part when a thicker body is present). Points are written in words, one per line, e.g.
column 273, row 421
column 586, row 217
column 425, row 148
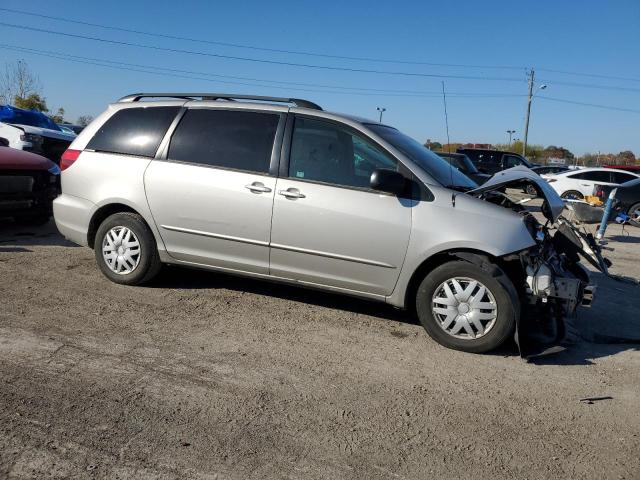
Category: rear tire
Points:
column 126, row 250
column 572, row 195
column 634, row 214
column 492, row 305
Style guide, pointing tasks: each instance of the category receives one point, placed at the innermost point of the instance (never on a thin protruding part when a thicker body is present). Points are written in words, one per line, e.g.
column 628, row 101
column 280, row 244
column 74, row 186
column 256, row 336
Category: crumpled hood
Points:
column 519, row 176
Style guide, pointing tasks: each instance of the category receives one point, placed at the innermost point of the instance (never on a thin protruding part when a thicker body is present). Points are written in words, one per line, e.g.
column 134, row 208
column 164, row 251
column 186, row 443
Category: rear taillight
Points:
column 68, row 157
column 598, row 191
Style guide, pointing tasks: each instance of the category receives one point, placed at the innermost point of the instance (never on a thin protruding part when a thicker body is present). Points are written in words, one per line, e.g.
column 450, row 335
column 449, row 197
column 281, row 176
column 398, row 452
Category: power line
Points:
column 257, row 60
column 594, row 75
column 307, row 53
column 253, row 47
column 592, row 85
column 607, row 107
column 263, row 83
column 60, row 55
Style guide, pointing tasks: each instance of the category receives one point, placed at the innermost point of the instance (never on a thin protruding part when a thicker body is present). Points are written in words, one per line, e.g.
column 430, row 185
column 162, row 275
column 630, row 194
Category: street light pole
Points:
column 381, row 109
column 510, row 132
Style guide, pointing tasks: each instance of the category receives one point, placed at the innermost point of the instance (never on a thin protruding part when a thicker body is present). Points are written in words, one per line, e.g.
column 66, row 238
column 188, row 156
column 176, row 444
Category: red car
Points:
column 628, row 168
column 28, row 185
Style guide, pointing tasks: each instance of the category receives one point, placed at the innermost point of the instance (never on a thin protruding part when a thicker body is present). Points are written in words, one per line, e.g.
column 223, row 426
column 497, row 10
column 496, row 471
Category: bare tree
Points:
column 84, row 120
column 17, row 81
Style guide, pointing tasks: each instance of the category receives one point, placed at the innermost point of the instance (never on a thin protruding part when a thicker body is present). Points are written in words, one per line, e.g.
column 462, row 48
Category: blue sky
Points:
column 600, row 38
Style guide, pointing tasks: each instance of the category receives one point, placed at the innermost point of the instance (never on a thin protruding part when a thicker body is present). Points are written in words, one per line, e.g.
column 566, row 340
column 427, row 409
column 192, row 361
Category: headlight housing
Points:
column 31, row 137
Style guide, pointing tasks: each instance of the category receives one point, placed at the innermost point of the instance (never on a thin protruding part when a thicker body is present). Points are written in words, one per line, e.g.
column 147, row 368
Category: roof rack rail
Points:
column 298, row 102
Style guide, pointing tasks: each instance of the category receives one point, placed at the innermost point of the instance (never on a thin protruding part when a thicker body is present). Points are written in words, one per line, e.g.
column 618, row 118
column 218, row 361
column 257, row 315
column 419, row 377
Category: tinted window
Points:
column 597, row 176
column 134, row 131
column 324, row 152
column 484, row 158
column 512, row 161
column 621, row 177
column 225, row 138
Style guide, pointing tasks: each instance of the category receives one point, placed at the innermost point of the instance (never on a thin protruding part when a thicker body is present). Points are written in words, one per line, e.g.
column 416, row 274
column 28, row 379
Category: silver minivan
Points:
column 277, row 188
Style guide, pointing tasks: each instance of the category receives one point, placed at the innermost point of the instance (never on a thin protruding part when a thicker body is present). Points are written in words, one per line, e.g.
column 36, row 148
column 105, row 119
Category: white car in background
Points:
column 576, row 184
column 34, row 132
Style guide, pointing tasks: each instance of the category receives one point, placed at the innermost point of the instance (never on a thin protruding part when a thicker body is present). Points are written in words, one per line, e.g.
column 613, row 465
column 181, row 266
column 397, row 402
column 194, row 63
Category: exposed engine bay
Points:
column 549, row 277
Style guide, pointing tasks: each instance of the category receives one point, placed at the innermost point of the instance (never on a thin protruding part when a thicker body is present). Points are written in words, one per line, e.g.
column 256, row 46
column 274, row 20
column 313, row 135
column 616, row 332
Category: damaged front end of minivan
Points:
column 551, row 279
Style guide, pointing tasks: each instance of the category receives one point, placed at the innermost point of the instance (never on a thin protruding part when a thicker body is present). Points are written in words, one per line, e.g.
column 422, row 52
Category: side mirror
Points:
column 4, row 142
column 389, row 181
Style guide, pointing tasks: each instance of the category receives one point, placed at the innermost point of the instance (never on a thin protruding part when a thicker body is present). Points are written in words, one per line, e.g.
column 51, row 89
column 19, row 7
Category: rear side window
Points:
column 225, row 138
column 134, row 131
column 594, row 176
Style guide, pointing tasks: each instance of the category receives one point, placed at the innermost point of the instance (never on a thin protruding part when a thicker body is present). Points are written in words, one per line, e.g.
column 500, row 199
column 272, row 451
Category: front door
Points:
column 328, row 226
column 212, row 197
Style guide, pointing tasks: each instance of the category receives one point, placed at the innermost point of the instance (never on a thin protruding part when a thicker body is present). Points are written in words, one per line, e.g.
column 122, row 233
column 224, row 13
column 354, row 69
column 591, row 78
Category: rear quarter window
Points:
column 241, row 140
column 134, row 131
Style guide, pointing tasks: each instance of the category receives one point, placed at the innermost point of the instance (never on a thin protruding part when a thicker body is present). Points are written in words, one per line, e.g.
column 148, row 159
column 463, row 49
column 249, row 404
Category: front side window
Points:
column 324, row 152
column 234, row 139
column 134, row 131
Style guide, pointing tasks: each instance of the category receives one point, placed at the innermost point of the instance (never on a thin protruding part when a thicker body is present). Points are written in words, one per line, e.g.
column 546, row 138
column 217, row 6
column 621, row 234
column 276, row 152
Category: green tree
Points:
column 33, row 101
column 433, row 145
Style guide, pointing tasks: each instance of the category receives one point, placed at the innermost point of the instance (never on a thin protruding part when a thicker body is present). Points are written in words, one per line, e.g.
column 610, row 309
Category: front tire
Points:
column 125, row 249
column 463, row 307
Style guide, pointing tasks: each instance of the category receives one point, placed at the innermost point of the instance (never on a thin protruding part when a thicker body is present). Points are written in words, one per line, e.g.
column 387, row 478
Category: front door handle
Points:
column 257, row 187
column 291, row 193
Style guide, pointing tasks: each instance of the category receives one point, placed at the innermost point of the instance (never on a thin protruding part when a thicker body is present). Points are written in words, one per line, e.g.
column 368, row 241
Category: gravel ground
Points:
column 207, row 376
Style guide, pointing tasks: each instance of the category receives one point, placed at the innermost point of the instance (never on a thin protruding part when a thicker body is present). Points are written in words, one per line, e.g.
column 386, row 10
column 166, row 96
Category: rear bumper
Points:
column 72, row 216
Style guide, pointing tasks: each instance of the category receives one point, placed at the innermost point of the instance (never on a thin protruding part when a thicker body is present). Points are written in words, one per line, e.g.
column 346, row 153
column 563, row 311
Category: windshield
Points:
column 431, row 163
column 26, row 117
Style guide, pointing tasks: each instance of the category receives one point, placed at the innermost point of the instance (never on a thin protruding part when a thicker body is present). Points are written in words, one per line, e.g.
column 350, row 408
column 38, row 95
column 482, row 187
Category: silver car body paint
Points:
column 339, row 239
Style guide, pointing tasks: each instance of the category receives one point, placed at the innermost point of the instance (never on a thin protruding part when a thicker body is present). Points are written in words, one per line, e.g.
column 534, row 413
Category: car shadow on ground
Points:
column 27, row 235
column 176, row 277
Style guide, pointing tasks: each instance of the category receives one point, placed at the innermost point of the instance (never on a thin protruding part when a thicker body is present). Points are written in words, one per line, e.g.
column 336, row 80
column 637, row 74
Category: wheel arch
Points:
column 495, row 266
column 105, row 211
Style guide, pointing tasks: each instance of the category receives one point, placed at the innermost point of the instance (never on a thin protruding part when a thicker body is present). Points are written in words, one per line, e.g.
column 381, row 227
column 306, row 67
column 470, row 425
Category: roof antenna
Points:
column 446, row 123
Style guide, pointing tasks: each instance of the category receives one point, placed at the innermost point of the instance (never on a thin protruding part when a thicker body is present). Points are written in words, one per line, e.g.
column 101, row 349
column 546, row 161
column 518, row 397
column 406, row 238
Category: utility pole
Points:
column 381, row 109
column 510, row 132
column 526, row 125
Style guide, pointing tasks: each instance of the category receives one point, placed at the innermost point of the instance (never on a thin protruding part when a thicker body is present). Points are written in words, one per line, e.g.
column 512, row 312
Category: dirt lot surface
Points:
column 208, row 376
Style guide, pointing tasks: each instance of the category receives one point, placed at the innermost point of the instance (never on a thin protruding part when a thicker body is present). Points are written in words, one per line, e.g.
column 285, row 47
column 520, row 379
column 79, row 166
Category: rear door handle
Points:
column 291, row 193
column 257, row 187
